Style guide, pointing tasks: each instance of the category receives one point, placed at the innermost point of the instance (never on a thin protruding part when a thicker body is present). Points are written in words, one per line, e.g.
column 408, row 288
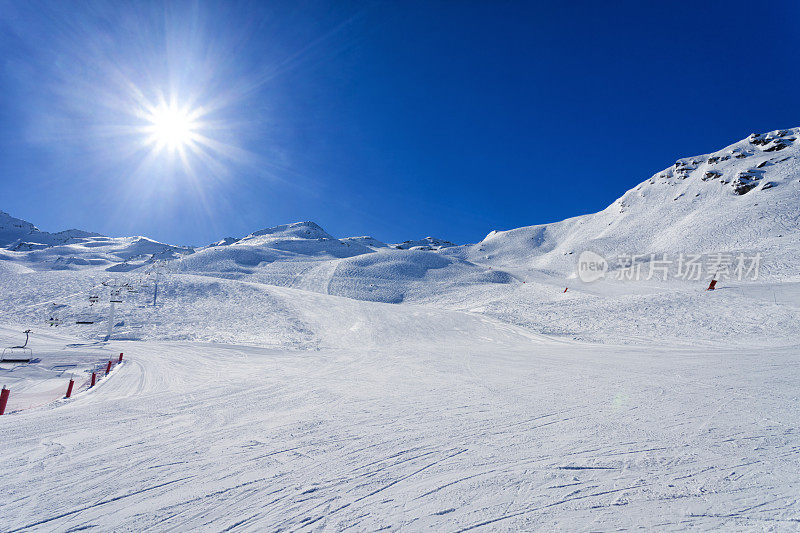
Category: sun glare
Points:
column 172, row 128
column 179, row 133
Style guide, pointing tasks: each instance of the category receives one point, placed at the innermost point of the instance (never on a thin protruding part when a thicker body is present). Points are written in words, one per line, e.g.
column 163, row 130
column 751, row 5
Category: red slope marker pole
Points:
column 94, row 379
column 69, row 388
column 4, row 399
column 565, row 289
column 120, row 357
column 712, row 285
column 108, row 367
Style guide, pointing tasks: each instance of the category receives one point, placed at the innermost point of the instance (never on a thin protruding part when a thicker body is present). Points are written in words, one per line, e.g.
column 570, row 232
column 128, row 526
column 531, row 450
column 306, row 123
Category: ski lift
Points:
column 116, row 296
column 85, row 318
column 18, row 354
column 54, row 315
column 93, row 299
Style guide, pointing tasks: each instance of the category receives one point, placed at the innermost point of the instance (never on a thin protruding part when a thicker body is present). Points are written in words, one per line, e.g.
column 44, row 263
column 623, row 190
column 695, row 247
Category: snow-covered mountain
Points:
column 741, row 198
column 303, row 255
column 284, row 242
column 428, row 243
column 18, row 234
column 25, row 245
column 745, row 197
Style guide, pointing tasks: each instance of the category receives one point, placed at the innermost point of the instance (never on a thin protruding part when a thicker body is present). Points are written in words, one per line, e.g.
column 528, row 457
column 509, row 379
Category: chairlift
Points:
column 130, row 287
column 55, row 314
column 85, row 318
column 18, row 354
column 116, row 297
column 93, row 299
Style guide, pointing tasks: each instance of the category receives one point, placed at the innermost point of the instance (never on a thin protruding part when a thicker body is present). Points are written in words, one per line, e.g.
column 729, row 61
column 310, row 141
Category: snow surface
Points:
column 290, row 380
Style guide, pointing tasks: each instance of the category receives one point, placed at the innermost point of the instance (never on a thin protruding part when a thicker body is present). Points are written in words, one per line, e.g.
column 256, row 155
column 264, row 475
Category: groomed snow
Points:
column 410, row 417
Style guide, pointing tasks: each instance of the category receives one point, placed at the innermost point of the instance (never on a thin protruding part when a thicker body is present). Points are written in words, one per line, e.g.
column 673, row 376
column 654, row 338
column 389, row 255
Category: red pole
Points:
column 4, row 399
column 94, row 379
column 120, row 357
column 712, row 285
column 108, row 367
column 69, row 388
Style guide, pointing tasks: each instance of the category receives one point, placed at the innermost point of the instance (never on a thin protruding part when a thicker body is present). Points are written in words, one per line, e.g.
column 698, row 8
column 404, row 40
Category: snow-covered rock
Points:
column 366, row 240
column 428, row 243
column 227, row 241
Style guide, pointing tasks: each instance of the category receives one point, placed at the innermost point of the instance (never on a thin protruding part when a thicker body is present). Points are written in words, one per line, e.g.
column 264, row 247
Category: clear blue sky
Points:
column 396, row 119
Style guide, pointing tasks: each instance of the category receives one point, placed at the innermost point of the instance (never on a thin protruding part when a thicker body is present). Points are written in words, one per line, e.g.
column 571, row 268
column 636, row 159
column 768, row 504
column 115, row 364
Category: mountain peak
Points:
column 428, row 243
column 295, row 230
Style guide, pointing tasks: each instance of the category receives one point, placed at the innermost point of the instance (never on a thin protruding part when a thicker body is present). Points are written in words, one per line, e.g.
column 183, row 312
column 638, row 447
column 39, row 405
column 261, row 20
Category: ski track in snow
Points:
column 337, row 414
column 418, row 434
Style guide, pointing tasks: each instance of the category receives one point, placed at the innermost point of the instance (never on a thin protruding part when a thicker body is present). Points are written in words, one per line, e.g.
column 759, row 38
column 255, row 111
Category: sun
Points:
column 177, row 133
column 171, row 127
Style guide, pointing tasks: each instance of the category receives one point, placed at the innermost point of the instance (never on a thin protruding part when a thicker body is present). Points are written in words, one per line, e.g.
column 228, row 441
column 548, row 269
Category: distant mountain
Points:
column 287, row 242
column 227, row 241
column 13, row 229
column 19, row 234
column 24, row 243
column 304, row 256
column 428, row 243
column 371, row 242
column 741, row 198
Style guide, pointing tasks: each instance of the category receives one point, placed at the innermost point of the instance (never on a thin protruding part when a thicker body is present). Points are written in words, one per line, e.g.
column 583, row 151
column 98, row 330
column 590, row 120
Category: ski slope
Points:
column 407, row 417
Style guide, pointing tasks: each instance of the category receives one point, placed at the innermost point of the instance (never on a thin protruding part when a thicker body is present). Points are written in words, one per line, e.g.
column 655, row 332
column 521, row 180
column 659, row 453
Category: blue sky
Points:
column 395, row 119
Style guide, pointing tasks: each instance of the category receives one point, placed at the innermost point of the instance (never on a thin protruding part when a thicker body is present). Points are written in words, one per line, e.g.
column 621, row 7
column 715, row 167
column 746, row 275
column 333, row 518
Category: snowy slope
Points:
column 92, row 252
column 408, row 417
column 741, row 198
column 304, row 256
column 301, row 240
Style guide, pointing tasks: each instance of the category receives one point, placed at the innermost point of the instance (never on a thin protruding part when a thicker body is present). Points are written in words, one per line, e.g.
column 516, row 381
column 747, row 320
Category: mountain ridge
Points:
column 742, row 195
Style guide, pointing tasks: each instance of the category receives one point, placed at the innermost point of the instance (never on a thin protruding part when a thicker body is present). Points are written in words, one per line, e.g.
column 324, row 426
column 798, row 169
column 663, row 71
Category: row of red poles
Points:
column 6, row 393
